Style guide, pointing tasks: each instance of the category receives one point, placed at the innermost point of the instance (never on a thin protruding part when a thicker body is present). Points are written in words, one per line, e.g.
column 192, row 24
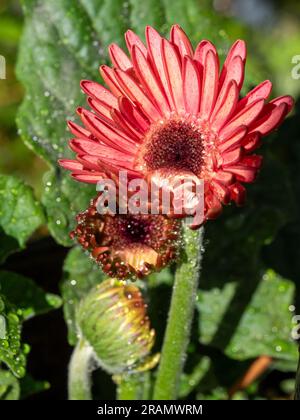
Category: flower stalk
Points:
column 180, row 317
column 134, row 386
column 80, row 369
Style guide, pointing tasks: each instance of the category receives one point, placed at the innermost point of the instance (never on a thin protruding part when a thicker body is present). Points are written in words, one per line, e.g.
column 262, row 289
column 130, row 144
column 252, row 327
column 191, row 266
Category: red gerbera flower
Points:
column 170, row 110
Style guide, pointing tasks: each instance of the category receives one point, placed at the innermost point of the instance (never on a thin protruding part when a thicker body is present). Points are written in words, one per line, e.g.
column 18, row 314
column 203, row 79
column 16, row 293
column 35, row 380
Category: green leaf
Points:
column 249, row 318
column 30, row 299
column 80, row 275
column 62, row 200
column 9, row 386
column 190, row 381
column 12, row 351
column 30, row 386
column 164, row 277
column 7, row 246
column 20, row 213
column 148, row 12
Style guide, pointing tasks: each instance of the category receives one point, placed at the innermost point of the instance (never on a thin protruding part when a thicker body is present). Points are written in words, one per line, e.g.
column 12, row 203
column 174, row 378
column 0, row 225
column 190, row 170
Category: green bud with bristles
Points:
column 112, row 319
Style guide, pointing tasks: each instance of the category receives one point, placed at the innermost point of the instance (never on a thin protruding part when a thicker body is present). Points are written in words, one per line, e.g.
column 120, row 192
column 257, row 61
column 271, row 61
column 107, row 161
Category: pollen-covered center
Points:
column 174, row 145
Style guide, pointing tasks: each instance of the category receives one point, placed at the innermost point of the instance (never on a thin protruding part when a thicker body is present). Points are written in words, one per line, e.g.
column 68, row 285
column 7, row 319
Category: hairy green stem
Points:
column 180, row 317
column 134, row 387
column 80, row 369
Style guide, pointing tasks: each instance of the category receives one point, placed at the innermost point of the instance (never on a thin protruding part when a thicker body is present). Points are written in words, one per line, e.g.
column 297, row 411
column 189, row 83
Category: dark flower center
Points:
column 174, row 145
column 133, row 229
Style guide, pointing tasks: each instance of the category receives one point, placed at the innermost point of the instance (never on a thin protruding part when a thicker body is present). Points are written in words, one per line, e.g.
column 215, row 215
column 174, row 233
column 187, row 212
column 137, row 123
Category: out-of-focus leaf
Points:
column 80, row 275
column 31, row 386
column 164, row 277
column 288, row 386
column 217, row 393
column 30, row 299
column 12, row 351
column 234, row 241
column 9, row 386
column 246, row 321
column 190, row 381
column 7, row 245
column 20, row 213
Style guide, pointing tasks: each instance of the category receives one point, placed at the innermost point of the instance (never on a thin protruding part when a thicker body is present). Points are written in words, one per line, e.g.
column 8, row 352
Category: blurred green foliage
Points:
column 251, row 269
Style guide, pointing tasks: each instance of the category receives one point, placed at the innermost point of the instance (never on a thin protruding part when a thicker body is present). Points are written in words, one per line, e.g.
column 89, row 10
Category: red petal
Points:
column 154, row 43
column 255, row 161
column 236, row 73
column 202, row 49
column 238, row 193
column 251, row 142
column 245, row 117
column 108, row 134
column 214, row 207
column 270, row 120
column 288, row 100
column 110, row 79
column 86, row 146
column 209, row 84
column 135, row 93
column 242, row 173
column 89, row 162
column 88, row 178
column 101, row 109
column 231, row 157
column 99, row 92
column 263, row 90
column 101, row 151
column 235, row 140
column 148, row 79
column 220, row 191
column 237, row 49
column 223, row 177
column 191, row 86
column 78, row 131
column 133, row 115
column 119, row 58
column 172, row 67
column 70, row 164
column 122, row 123
column 120, row 162
column 223, row 110
column 179, row 38
column 132, row 39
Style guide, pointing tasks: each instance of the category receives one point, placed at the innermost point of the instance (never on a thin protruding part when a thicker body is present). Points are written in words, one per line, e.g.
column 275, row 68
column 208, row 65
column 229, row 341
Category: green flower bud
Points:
column 112, row 319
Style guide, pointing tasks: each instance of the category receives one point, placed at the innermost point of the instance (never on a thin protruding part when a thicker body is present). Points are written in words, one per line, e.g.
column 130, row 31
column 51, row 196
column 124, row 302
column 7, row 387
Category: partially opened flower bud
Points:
column 125, row 245
column 112, row 319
